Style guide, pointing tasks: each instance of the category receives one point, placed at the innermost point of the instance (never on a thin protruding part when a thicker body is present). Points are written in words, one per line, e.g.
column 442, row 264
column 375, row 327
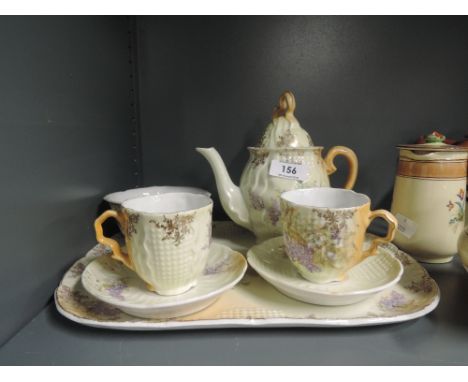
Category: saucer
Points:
column 369, row 277
column 111, row 282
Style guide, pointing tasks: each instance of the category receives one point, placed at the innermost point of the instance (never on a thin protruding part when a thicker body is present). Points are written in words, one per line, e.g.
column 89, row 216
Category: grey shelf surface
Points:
column 440, row 338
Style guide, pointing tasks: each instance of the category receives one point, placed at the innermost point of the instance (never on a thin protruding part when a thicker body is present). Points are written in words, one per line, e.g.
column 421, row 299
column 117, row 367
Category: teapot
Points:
column 285, row 159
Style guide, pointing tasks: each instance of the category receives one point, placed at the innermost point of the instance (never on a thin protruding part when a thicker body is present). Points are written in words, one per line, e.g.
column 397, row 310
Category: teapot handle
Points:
column 352, row 163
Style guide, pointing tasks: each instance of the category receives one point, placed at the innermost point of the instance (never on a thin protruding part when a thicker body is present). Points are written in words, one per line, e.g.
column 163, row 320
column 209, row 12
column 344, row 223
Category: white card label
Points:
column 286, row 170
column 406, row 226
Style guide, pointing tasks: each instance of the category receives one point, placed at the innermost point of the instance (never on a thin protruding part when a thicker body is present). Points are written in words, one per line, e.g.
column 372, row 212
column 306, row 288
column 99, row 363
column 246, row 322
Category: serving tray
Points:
column 255, row 303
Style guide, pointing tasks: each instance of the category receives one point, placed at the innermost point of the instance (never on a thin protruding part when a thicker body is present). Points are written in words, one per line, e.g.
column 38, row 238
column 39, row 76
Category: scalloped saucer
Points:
column 110, row 281
column 369, row 277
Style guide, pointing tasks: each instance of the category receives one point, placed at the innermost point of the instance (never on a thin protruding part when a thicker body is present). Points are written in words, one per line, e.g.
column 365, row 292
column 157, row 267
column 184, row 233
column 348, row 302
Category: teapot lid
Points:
column 284, row 131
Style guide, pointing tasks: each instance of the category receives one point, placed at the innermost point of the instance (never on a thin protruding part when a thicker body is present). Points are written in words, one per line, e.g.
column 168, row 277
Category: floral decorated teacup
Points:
column 116, row 199
column 167, row 238
column 324, row 231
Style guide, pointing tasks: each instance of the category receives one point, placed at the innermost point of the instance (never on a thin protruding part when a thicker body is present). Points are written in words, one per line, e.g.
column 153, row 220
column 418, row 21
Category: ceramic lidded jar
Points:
column 429, row 200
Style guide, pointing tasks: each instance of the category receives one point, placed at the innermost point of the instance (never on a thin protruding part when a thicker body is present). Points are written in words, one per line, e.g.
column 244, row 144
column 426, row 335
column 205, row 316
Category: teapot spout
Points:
column 229, row 194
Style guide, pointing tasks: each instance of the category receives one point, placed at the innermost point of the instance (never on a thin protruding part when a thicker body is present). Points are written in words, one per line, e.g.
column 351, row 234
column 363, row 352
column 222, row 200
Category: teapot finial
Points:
column 286, row 106
column 284, row 131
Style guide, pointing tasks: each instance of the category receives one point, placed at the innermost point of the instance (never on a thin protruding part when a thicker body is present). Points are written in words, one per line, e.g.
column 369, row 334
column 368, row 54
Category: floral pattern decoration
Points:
column 175, row 228
column 274, row 212
column 115, row 290
column 285, row 140
column 77, row 269
column 321, row 240
column 424, row 285
column 219, row 267
column 132, row 220
column 301, row 253
column 417, row 293
column 394, row 300
column 403, row 259
column 93, row 308
column 457, row 208
column 258, row 158
column 256, row 201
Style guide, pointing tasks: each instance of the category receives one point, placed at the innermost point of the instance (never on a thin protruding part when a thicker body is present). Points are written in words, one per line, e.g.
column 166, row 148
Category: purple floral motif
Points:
column 100, row 308
column 274, row 213
column 404, row 259
column 91, row 306
column 222, row 266
column 392, row 301
column 335, row 233
column 302, row 254
column 116, row 290
column 256, row 201
column 77, row 269
column 424, row 284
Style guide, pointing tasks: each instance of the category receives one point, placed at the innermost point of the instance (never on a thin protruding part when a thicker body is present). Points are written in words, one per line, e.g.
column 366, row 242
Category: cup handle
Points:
column 392, row 226
column 117, row 254
column 352, row 163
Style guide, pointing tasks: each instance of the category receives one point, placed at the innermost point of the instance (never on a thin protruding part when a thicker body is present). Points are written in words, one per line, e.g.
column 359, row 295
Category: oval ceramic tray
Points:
column 254, row 302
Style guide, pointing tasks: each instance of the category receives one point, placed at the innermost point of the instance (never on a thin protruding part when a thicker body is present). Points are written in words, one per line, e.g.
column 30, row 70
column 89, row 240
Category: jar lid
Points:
column 284, row 131
column 434, row 141
column 440, row 147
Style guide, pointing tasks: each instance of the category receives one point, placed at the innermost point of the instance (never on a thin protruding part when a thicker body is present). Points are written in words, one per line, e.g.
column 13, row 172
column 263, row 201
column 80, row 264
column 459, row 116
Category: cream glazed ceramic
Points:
column 324, row 231
column 429, row 200
column 167, row 239
column 463, row 247
column 369, row 277
column 284, row 160
column 110, row 281
column 253, row 302
column 116, row 199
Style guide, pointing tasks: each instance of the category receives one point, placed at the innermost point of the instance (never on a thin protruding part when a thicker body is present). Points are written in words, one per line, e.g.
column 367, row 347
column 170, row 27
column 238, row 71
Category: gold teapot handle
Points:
column 286, row 106
column 352, row 163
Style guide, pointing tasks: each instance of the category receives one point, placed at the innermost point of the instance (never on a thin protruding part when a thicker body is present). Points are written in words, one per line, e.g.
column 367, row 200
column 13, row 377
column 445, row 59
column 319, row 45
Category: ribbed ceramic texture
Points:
column 110, row 281
column 170, row 263
column 262, row 192
column 371, row 276
column 282, row 133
